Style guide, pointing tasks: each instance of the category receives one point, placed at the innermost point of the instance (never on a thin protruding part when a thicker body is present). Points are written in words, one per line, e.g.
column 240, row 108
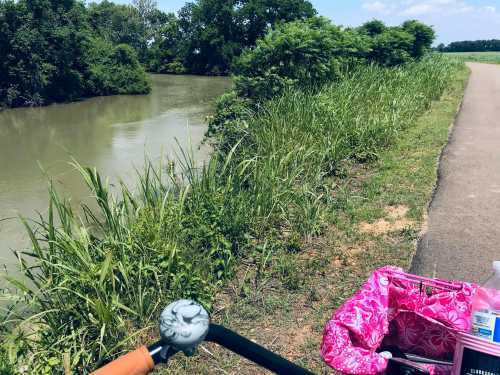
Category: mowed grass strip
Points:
column 481, row 57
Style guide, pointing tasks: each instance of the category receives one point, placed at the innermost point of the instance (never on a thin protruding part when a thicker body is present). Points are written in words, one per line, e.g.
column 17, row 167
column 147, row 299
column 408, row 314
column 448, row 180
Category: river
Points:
column 112, row 133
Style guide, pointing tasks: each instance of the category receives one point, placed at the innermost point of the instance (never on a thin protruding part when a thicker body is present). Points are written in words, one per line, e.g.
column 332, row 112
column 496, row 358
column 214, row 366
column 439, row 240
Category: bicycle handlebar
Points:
column 253, row 352
column 138, row 362
column 183, row 326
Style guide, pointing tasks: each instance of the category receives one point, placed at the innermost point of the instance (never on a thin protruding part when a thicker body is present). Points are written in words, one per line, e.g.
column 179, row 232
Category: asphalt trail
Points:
column 463, row 236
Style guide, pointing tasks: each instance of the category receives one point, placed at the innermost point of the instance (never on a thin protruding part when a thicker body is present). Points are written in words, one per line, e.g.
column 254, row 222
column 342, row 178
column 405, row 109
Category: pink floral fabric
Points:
column 391, row 311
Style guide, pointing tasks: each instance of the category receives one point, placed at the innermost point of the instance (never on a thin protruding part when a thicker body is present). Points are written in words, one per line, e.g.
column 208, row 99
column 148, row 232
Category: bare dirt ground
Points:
column 463, row 236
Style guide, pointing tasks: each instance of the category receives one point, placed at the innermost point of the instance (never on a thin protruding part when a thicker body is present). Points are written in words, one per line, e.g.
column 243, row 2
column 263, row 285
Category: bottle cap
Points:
column 496, row 267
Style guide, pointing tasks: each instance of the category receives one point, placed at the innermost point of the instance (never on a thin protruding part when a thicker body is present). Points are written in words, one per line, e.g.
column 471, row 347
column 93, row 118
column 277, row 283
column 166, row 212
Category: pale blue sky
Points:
column 452, row 19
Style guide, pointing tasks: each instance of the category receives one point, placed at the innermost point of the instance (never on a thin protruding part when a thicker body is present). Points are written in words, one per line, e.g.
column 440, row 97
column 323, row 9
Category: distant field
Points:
column 484, row 57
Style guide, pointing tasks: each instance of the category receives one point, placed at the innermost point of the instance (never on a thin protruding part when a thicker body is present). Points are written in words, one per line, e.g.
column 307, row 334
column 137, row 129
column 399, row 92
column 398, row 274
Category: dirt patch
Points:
column 293, row 339
column 396, row 212
column 360, row 248
column 395, row 220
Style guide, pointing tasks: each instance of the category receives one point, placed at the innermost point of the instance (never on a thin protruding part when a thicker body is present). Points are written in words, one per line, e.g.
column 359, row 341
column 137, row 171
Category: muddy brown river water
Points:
column 111, row 133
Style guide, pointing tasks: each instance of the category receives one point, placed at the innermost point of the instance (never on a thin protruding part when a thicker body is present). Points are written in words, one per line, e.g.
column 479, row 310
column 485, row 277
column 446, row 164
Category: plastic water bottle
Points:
column 486, row 309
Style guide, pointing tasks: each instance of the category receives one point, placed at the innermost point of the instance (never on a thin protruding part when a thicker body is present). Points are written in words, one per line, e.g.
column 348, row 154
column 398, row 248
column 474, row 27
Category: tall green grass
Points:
column 96, row 281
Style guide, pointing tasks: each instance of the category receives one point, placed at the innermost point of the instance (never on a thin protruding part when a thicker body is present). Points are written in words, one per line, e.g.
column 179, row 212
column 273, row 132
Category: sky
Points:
column 452, row 19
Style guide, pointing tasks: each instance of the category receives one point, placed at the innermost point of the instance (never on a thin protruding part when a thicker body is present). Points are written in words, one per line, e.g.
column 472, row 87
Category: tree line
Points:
column 202, row 38
column 63, row 50
column 492, row 45
column 50, row 53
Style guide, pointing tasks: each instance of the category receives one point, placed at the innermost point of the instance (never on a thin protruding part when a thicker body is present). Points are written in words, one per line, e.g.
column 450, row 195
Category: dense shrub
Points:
column 48, row 53
column 300, row 53
column 391, row 47
column 115, row 70
column 398, row 45
column 231, row 116
column 310, row 52
column 423, row 36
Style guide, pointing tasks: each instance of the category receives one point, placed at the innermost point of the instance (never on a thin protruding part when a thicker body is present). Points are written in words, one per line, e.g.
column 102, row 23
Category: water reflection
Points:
column 111, row 133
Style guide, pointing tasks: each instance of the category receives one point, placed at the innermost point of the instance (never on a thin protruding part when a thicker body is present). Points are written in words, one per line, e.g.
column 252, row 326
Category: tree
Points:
column 165, row 55
column 119, row 24
column 373, row 28
column 256, row 16
column 49, row 54
column 392, row 47
column 492, row 45
column 423, row 37
column 214, row 32
column 397, row 45
column 299, row 53
column 146, row 8
column 211, row 35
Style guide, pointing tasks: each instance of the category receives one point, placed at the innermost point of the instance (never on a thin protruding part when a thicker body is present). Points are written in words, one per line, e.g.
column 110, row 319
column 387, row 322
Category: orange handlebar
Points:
column 138, row 362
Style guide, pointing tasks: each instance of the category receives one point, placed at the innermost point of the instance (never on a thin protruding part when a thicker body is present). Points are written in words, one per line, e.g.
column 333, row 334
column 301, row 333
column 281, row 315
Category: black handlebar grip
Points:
column 253, row 352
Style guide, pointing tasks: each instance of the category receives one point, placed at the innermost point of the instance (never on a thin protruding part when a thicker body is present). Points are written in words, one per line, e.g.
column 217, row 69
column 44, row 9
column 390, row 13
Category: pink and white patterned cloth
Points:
column 390, row 310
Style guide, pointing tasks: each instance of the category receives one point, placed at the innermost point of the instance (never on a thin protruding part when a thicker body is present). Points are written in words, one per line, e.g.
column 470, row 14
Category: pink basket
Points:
column 418, row 315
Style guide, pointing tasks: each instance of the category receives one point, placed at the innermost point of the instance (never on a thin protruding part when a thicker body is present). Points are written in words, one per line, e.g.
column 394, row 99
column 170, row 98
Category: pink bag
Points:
column 418, row 315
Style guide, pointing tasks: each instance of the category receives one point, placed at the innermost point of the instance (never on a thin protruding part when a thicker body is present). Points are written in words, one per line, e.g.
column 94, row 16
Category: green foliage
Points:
column 492, row 45
column 232, row 113
column 48, row 54
column 137, row 25
column 311, row 52
column 391, row 47
column 115, row 70
column 373, row 28
column 98, row 282
column 398, row 45
column 118, row 24
column 209, row 34
column 423, row 37
column 300, row 53
column 164, row 55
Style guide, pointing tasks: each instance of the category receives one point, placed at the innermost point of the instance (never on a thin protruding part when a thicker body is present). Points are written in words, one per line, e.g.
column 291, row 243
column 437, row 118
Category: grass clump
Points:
column 97, row 281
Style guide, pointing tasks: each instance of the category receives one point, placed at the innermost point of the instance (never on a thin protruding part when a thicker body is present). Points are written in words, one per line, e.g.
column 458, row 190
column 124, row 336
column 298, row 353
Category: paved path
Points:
column 464, row 218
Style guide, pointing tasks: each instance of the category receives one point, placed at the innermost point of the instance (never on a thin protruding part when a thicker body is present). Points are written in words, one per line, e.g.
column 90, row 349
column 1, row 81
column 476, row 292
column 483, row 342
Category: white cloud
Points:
column 376, row 7
column 414, row 8
column 490, row 9
column 419, row 10
column 452, row 19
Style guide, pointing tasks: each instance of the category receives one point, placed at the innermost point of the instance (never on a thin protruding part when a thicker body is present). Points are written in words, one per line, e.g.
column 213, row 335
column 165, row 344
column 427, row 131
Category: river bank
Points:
column 112, row 133
column 289, row 188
